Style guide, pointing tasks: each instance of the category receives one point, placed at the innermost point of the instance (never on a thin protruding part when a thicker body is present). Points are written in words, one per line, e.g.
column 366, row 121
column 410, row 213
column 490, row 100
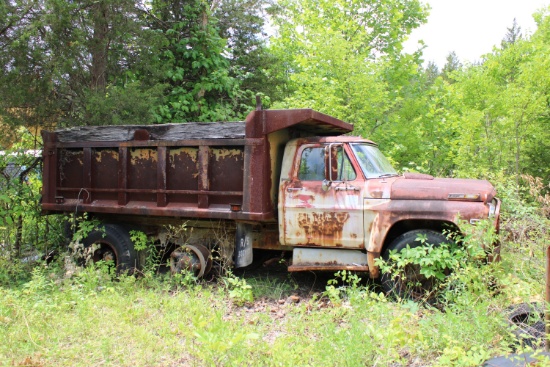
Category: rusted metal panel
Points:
column 159, row 172
column 328, row 259
column 388, row 213
column 258, row 167
column 409, row 187
column 142, row 175
column 384, row 203
column 148, row 209
column 305, row 121
column 87, row 173
column 314, row 215
column 105, row 173
column 204, row 182
column 182, row 175
column 226, row 174
column 49, row 176
column 162, row 177
column 123, row 162
column 277, row 142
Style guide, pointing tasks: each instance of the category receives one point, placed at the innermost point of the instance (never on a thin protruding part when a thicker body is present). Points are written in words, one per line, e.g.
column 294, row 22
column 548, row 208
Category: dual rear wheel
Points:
column 112, row 242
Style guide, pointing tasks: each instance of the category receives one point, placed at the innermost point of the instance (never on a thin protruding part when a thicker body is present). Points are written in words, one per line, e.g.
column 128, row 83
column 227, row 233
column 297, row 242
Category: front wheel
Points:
column 408, row 282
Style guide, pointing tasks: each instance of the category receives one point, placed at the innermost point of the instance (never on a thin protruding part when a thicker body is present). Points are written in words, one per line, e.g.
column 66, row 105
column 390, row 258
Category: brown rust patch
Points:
column 374, row 271
column 377, row 194
column 323, row 224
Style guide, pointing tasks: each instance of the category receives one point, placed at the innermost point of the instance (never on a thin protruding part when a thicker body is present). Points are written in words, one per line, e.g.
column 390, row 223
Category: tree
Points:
column 452, row 64
column 512, row 35
column 431, row 72
column 503, row 109
column 75, row 63
column 242, row 23
column 341, row 56
column 200, row 87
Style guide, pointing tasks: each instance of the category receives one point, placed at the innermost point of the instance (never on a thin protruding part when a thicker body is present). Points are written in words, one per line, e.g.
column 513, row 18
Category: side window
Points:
column 345, row 168
column 312, row 165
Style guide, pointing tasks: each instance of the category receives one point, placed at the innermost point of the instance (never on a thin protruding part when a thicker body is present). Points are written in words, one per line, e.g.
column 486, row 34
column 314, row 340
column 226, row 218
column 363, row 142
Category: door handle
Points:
column 347, row 188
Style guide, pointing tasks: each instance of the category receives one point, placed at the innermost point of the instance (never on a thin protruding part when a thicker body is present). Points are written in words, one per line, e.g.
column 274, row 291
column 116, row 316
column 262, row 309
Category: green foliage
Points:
column 89, row 62
column 184, row 280
column 80, row 228
column 345, row 60
column 240, row 292
column 140, row 240
column 344, row 284
column 202, row 324
column 130, row 103
column 24, row 233
column 251, row 62
column 152, row 255
column 273, row 288
column 500, row 109
column 448, row 267
column 212, row 68
column 69, row 62
column 492, row 113
column 13, row 271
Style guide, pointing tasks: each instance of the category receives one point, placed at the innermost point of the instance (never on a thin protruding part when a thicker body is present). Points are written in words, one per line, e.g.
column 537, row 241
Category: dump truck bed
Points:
column 223, row 170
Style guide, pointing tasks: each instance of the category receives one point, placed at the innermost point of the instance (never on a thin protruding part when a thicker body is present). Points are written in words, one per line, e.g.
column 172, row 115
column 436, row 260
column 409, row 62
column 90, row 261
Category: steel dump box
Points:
column 223, row 170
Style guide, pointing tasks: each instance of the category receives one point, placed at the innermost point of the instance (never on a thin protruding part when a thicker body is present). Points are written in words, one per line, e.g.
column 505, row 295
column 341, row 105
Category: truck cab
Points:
column 341, row 203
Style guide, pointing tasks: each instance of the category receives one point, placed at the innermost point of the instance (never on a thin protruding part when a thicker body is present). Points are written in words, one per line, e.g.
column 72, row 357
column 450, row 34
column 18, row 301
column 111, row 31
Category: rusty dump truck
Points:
column 286, row 180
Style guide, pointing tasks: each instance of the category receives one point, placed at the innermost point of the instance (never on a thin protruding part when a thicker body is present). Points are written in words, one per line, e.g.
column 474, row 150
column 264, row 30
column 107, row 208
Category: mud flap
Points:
column 243, row 245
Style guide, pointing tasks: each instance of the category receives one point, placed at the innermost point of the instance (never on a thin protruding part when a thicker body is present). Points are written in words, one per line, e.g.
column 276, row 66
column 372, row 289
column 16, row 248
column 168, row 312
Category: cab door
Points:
column 323, row 203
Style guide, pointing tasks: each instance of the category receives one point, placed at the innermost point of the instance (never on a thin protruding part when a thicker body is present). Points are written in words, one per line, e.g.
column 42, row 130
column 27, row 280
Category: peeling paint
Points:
column 226, row 153
column 137, row 155
column 183, row 153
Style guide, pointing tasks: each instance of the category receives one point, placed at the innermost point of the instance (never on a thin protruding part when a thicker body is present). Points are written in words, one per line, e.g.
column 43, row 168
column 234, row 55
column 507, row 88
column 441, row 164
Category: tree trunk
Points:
column 99, row 46
column 18, row 236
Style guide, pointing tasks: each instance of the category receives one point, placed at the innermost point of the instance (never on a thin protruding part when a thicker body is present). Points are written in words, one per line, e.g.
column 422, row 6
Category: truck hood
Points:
column 415, row 186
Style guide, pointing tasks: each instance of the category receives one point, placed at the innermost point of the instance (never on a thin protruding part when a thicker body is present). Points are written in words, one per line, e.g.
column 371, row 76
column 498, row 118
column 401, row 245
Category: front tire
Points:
column 409, row 283
column 112, row 242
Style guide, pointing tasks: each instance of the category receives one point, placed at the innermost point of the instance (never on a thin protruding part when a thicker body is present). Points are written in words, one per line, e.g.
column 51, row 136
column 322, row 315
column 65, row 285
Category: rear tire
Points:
column 412, row 284
column 112, row 242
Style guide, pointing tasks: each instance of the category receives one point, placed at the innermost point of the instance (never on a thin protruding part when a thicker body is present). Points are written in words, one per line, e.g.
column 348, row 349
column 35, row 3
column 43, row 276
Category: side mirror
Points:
column 331, row 162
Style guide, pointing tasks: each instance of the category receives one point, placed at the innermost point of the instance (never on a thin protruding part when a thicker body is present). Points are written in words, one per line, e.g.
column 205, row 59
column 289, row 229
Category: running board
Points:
column 323, row 259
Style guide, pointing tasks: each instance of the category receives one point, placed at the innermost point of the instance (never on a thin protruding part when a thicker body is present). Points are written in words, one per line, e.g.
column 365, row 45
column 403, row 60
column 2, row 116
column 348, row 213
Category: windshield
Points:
column 372, row 161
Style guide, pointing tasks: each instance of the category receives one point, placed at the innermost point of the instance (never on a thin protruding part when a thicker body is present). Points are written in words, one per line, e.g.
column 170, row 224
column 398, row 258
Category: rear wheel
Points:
column 111, row 242
column 409, row 282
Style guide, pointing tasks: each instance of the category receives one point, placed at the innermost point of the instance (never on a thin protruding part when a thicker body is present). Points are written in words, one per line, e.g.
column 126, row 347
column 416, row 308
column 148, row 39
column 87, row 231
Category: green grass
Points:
column 89, row 320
